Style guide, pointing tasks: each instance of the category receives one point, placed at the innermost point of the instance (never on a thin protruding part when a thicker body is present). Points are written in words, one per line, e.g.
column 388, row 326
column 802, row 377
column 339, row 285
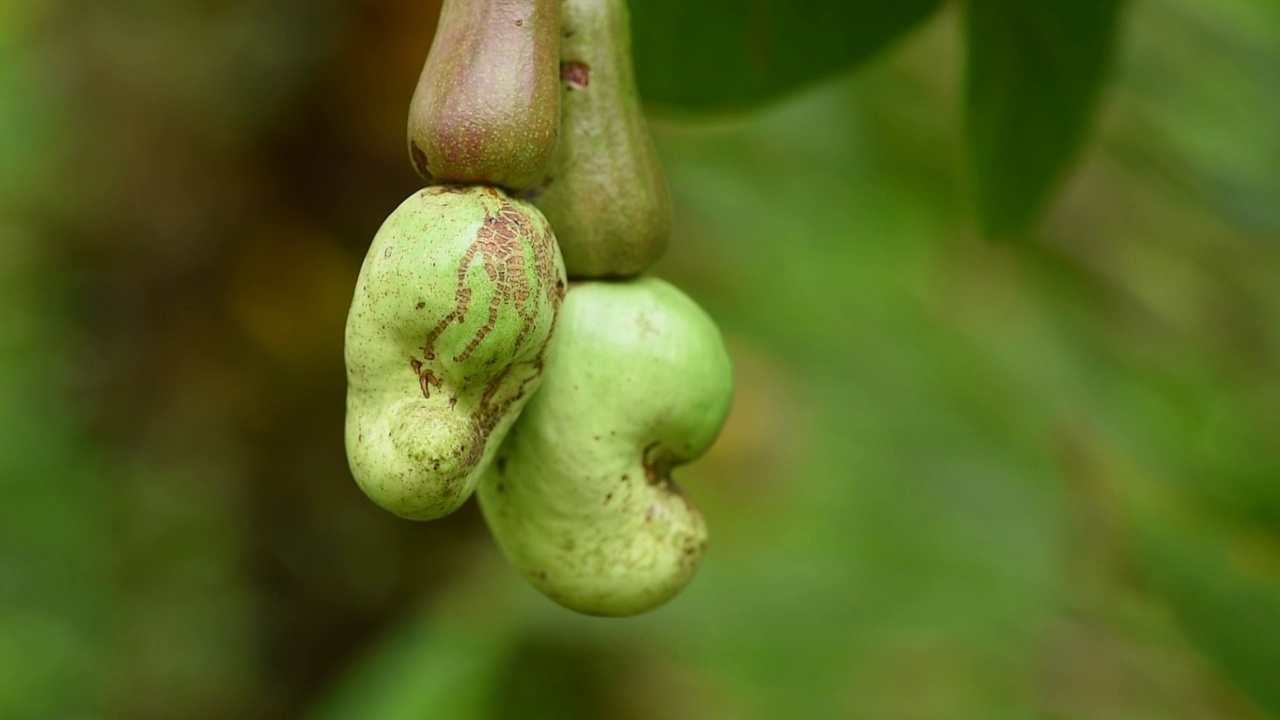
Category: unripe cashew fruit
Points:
column 486, row 110
column 580, row 496
column 445, row 339
column 605, row 193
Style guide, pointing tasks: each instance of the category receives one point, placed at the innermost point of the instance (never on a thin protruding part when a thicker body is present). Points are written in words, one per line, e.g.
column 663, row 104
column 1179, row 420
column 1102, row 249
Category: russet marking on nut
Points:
column 499, row 246
column 475, row 276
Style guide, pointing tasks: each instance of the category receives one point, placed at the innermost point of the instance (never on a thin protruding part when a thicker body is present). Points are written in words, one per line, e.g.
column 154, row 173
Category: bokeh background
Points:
column 962, row 478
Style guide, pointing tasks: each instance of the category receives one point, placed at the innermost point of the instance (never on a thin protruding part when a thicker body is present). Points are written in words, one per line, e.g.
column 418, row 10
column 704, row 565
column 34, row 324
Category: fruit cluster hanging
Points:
column 474, row 366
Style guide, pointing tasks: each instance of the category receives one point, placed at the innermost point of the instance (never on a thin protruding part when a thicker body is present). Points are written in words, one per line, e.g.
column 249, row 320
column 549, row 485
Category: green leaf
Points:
column 432, row 667
column 1228, row 611
column 1035, row 69
column 440, row 663
column 722, row 55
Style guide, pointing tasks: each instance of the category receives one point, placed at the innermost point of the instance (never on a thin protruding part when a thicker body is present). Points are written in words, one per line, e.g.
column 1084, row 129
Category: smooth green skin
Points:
column 605, row 194
column 486, row 110
column 579, row 497
column 445, row 338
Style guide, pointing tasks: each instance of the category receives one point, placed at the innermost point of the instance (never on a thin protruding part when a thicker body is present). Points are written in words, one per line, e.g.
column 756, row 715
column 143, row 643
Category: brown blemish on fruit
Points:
column 692, row 550
column 499, row 244
column 646, row 328
column 421, row 304
column 655, row 472
column 419, row 159
column 426, row 378
column 428, row 381
column 486, row 400
column 491, row 409
column 578, row 74
column 442, row 189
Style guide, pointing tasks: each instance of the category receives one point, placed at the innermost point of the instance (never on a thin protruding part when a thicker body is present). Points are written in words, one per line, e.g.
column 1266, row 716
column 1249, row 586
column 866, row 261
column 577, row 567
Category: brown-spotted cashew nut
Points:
column 486, row 110
column 580, row 496
column 605, row 192
column 452, row 312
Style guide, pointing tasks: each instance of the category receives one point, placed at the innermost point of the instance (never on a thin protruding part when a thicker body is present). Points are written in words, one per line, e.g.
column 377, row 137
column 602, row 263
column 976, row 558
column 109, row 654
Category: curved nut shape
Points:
column 452, row 312
column 580, row 496
column 487, row 106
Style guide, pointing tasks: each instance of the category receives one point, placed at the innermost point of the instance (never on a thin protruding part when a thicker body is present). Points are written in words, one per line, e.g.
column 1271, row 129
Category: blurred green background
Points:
column 963, row 479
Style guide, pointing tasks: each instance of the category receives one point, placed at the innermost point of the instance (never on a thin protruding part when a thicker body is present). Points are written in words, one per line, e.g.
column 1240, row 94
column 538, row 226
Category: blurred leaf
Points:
column 725, row 55
column 1035, row 69
column 430, row 668
column 55, row 592
column 1208, row 102
column 554, row 674
column 1230, row 614
column 54, row 588
column 442, row 663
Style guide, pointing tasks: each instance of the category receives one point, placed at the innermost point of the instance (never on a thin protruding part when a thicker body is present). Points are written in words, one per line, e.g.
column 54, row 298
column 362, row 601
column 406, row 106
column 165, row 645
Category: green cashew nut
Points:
column 486, row 110
column 580, row 496
column 605, row 193
column 452, row 312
